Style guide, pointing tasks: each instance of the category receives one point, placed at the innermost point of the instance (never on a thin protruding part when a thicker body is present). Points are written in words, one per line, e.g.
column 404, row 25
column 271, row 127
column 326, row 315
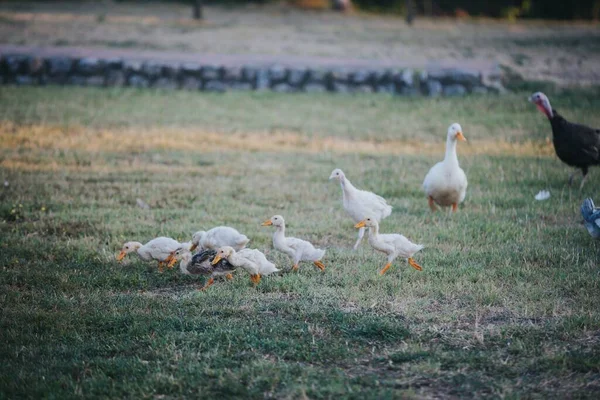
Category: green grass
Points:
column 506, row 304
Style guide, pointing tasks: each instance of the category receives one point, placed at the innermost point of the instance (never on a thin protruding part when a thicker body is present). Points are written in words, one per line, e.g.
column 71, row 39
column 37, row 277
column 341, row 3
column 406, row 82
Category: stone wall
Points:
column 22, row 69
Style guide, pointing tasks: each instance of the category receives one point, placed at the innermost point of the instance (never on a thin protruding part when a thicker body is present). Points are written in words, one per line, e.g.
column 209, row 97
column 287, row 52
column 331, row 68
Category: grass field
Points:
column 506, row 304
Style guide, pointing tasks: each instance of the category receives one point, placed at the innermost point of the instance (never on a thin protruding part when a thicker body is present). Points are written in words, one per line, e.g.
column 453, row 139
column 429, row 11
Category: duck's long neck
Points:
column 279, row 235
column 346, row 185
column 451, row 158
column 234, row 259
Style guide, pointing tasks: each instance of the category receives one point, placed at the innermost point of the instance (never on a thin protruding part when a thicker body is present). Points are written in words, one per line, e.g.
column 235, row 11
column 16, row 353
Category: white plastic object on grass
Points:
column 542, row 195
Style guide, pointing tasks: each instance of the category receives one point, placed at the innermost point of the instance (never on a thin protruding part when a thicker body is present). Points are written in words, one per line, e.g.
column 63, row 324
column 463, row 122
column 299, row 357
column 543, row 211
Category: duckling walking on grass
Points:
column 360, row 203
column 392, row 244
column 251, row 260
column 203, row 263
column 297, row 249
column 160, row 249
column 446, row 183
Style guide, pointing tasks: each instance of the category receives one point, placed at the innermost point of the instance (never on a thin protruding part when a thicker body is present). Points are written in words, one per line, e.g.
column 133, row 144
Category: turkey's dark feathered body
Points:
column 576, row 145
column 201, row 264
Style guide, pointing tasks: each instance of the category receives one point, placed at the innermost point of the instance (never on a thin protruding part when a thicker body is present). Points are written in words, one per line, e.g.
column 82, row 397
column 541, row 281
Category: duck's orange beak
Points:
column 194, row 247
column 121, row 255
column 460, row 136
column 216, row 259
column 267, row 223
column 361, row 224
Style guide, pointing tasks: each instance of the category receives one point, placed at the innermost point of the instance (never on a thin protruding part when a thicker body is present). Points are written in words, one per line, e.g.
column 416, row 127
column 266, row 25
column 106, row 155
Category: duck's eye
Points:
column 126, row 247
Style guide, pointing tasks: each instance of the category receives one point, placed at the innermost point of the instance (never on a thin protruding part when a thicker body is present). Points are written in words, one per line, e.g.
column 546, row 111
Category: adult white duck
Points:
column 219, row 237
column 392, row 244
column 160, row 249
column 251, row 260
column 446, row 183
column 297, row 249
column 359, row 203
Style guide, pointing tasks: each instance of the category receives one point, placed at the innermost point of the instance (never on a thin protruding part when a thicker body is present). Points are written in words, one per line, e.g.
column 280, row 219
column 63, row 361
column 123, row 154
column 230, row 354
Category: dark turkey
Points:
column 576, row 145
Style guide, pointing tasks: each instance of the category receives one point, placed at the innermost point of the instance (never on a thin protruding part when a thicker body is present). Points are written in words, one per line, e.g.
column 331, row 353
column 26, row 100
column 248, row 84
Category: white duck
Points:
column 219, row 237
column 297, row 249
column 446, row 183
column 360, row 203
column 392, row 244
column 251, row 260
column 160, row 249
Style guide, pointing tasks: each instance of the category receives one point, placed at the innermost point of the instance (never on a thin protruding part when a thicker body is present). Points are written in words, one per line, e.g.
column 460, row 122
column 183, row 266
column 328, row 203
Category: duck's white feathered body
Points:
column 360, row 204
column 219, row 237
column 446, row 183
column 158, row 249
column 392, row 244
column 297, row 249
column 253, row 261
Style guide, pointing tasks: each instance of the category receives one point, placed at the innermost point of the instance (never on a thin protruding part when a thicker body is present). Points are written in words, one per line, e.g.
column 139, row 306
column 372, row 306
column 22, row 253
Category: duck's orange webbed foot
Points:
column 255, row 279
column 320, row 265
column 295, row 267
column 432, row 204
column 454, row 207
column 208, row 283
column 414, row 264
column 229, row 277
column 384, row 270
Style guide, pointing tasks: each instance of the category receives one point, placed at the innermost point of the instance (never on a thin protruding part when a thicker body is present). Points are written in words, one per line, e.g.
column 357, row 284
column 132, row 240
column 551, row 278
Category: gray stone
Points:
column 241, row 86
column 138, row 81
column 152, row 70
column 449, row 76
column 434, row 88
column 317, row 76
column 297, row 76
column 165, row 83
column 115, row 78
column 455, row 90
column 59, row 66
column 262, row 79
column 89, row 66
column 214, row 86
column 94, row 80
column 479, row 90
column 315, row 88
column 191, row 83
column 232, row 74
column 340, row 75
column 407, row 77
column 191, row 69
column 361, row 77
column 283, row 88
column 132, row 67
column 210, row 73
column 277, row 74
column 249, row 74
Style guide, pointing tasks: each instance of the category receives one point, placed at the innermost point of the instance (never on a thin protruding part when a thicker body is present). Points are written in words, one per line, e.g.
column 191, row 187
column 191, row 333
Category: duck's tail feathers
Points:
column 419, row 247
column 386, row 212
column 587, row 208
column 243, row 241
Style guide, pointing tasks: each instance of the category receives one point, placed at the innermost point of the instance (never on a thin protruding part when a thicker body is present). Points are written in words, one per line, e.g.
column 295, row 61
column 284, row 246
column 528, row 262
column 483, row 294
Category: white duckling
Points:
column 160, row 249
column 202, row 264
column 360, row 203
column 392, row 244
column 251, row 260
column 219, row 237
column 297, row 249
column 446, row 183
